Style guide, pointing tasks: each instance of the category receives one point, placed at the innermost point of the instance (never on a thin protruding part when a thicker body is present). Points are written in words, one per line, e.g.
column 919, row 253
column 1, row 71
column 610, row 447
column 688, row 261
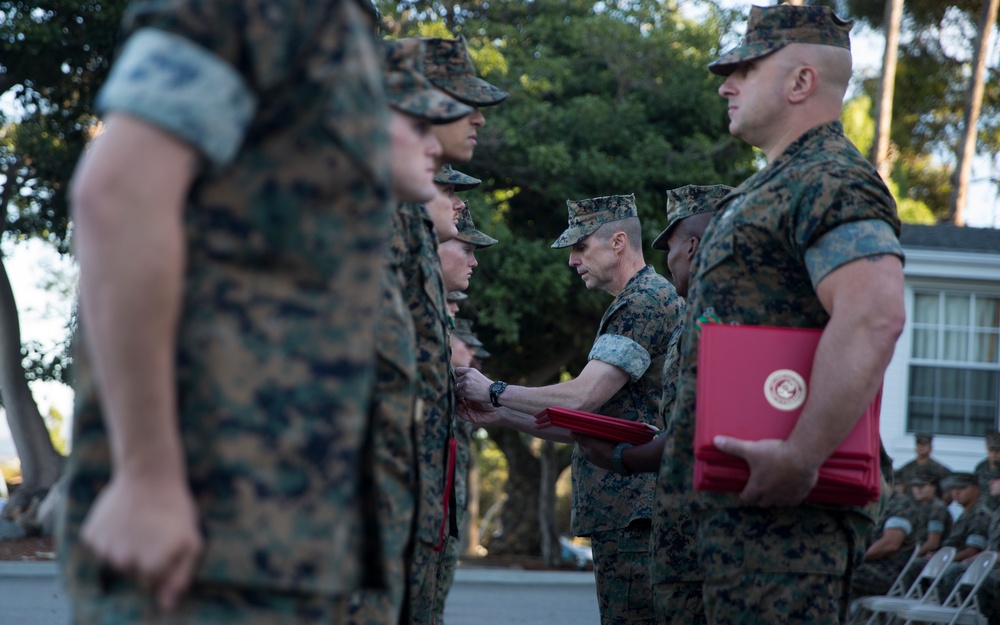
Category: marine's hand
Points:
column 779, row 474
column 148, row 529
column 478, row 413
column 597, row 450
column 472, row 384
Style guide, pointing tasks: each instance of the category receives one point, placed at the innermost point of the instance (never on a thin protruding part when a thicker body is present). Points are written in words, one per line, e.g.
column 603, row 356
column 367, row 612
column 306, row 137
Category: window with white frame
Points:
column 954, row 365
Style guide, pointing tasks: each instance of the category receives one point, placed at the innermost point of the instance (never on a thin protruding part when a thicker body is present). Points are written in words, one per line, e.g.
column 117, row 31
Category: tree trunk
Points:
column 41, row 464
column 521, row 535
column 470, row 536
column 551, row 551
column 883, row 119
column 973, row 105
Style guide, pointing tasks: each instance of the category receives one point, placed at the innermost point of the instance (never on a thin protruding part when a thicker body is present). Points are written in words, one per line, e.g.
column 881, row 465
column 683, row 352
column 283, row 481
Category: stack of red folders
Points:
column 611, row 428
column 752, row 384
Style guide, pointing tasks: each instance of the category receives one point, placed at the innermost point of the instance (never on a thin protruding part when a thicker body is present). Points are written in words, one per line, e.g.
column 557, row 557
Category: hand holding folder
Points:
column 752, row 384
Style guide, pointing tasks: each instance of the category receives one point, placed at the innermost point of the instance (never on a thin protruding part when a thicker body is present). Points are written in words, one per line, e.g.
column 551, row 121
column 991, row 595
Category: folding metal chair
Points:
column 922, row 590
column 961, row 606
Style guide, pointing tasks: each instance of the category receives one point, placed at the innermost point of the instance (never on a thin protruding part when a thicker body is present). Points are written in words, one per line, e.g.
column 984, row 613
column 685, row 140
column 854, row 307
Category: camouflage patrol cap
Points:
column 962, row 479
column 408, row 90
column 463, row 330
column 993, row 440
column 687, row 201
column 467, row 232
column 586, row 216
column 771, row 28
column 461, row 182
column 923, row 438
column 448, row 65
column 920, row 478
column 457, row 296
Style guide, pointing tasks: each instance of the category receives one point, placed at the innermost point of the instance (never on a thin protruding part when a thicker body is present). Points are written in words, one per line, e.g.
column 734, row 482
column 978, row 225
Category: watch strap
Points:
column 617, row 464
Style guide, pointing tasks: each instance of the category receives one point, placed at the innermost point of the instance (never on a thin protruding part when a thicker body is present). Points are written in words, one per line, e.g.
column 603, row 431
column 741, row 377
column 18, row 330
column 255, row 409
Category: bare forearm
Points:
column 645, row 458
column 847, row 371
column 884, row 547
column 525, row 423
column 130, row 247
column 932, row 544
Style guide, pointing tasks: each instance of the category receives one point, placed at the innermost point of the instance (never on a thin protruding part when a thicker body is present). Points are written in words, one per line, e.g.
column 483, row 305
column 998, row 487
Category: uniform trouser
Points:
column 446, row 577
column 778, row 565
column 621, row 566
column 115, row 600
column 427, row 571
column 677, row 579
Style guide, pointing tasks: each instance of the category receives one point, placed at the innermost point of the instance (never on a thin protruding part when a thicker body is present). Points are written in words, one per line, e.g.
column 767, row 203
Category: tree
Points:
column 973, row 106
column 883, row 120
column 928, row 120
column 53, row 54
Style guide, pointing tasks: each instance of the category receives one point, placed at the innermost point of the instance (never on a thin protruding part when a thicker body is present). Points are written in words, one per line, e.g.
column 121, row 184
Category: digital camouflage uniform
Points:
column 970, row 530
column 467, row 233
column 875, row 577
column 815, row 207
column 394, row 402
column 930, row 516
column 676, row 595
column 615, row 510
column 932, row 469
column 275, row 367
column 984, row 472
column 989, row 593
column 449, row 67
column 436, row 522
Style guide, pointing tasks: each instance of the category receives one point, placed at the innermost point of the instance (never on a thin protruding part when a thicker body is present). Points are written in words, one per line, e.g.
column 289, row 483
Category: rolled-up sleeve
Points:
column 183, row 88
column 622, row 352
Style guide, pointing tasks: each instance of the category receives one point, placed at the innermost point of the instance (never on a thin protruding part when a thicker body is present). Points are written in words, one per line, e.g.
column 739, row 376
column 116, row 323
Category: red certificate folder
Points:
column 752, row 383
column 601, row 426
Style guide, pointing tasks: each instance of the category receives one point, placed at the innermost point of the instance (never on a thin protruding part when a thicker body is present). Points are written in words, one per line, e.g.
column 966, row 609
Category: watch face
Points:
column 496, row 387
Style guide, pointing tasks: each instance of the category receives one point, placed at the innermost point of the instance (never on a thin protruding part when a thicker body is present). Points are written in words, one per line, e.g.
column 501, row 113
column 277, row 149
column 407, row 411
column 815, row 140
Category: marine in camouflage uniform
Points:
column 626, row 364
column 677, row 593
column 931, row 516
column 979, row 529
column 467, row 233
column 616, row 510
column 875, row 577
column 927, row 465
column 988, row 469
column 817, row 207
column 394, row 402
column 274, row 366
column 449, row 67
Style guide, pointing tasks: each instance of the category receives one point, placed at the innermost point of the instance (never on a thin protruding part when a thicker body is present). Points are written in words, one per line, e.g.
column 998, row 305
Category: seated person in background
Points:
column 923, row 446
column 886, row 557
column 932, row 521
column 969, row 533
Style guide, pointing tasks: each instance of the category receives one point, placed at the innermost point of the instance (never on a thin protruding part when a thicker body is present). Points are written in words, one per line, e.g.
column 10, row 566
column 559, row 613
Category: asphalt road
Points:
column 30, row 594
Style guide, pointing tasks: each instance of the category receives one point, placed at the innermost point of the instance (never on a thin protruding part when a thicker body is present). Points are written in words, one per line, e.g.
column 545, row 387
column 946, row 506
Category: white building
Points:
column 944, row 377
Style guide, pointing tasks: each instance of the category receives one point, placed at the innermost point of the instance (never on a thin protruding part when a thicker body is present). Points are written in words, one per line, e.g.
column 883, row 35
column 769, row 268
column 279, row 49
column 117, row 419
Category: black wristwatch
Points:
column 495, row 389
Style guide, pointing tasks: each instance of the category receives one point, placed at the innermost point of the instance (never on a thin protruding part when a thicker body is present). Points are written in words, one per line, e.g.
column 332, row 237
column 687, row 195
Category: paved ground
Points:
column 30, row 595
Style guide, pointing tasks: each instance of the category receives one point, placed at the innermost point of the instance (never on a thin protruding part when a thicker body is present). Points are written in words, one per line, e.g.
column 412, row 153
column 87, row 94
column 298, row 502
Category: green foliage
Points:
column 605, row 99
column 493, row 470
column 858, row 123
column 931, row 86
column 54, row 422
column 53, row 56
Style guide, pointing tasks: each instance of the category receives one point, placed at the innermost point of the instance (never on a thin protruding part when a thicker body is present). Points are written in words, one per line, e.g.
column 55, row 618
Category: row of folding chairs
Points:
column 921, row 601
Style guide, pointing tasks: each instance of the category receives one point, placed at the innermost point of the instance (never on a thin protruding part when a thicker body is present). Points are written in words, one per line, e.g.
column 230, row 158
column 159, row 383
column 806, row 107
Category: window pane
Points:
column 924, row 343
column 987, row 312
column 921, row 417
column 983, row 386
column 922, row 382
column 984, row 347
column 956, row 310
column 982, row 418
column 956, row 346
column 925, row 308
column 951, row 419
column 952, row 384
